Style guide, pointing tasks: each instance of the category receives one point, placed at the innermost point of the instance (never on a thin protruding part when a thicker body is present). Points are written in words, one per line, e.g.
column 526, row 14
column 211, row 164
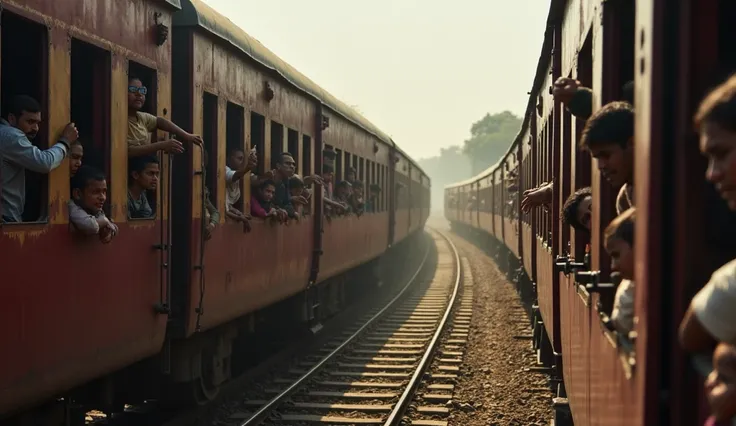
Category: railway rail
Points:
column 387, row 369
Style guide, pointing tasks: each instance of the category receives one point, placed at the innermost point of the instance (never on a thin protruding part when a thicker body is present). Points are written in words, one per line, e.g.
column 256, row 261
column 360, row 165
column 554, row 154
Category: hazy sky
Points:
column 421, row 70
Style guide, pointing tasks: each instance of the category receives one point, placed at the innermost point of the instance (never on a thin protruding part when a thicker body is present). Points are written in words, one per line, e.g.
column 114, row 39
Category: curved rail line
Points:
column 396, row 413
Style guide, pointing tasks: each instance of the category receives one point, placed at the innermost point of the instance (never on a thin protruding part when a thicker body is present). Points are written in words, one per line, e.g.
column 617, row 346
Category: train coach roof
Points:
column 196, row 13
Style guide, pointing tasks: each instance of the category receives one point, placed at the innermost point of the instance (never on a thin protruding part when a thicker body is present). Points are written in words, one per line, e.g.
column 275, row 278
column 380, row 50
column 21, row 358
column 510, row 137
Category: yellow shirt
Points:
column 140, row 127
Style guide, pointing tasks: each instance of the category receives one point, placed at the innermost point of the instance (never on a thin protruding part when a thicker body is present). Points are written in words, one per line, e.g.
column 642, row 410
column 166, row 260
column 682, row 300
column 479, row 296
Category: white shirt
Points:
column 715, row 304
column 232, row 189
column 623, row 307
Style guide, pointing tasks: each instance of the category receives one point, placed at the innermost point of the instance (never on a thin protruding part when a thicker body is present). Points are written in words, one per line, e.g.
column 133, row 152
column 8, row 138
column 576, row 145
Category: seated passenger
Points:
column 142, row 124
column 89, row 192
column 576, row 211
column 235, row 169
column 19, row 154
column 619, row 243
column 76, row 153
column 299, row 194
column 372, row 203
column 720, row 387
column 261, row 202
column 343, row 191
column 144, row 173
column 712, row 313
column 351, row 175
column 357, row 203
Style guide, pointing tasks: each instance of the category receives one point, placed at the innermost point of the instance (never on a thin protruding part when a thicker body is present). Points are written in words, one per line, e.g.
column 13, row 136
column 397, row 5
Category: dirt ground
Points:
column 499, row 381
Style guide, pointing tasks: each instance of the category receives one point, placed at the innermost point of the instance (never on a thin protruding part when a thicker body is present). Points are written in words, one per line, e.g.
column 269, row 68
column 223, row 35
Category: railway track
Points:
column 398, row 367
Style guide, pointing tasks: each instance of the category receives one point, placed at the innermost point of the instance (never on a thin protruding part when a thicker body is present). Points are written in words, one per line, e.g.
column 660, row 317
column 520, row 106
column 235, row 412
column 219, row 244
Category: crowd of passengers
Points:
column 279, row 195
column 609, row 138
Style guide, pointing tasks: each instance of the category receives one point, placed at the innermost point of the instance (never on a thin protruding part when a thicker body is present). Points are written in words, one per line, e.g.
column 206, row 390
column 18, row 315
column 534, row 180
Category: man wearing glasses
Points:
column 142, row 124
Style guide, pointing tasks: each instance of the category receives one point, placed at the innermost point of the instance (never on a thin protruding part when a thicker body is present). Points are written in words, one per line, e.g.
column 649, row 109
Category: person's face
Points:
column 584, row 212
column 296, row 191
column 718, row 144
column 148, row 177
column 357, row 192
column 622, row 258
column 93, row 197
column 236, row 160
column 27, row 122
column 351, row 176
column 267, row 193
column 287, row 166
column 328, row 176
column 76, row 153
column 615, row 162
column 720, row 387
column 136, row 94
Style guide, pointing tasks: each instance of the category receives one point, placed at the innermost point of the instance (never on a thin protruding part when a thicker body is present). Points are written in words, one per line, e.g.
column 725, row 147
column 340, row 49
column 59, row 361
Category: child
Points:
column 144, row 173
column 260, row 202
column 619, row 243
column 76, row 153
column 89, row 192
column 298, row 194
column 720, row 387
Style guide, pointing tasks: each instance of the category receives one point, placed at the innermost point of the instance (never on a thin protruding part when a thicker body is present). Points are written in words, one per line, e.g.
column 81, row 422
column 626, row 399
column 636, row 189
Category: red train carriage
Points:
column 160, row 306
column 672, row 51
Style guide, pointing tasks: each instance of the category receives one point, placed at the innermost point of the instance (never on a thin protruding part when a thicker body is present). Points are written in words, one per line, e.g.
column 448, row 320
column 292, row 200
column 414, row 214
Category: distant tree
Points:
column 490, row 138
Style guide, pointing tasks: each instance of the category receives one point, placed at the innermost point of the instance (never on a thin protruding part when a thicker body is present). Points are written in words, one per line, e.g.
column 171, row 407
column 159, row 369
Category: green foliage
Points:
column 490, row 138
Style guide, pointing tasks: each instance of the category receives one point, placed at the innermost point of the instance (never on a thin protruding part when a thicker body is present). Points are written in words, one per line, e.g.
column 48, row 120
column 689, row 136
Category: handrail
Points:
column 202, row 228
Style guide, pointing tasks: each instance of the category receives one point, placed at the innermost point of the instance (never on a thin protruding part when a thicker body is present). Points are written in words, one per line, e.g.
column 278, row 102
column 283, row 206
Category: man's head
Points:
column 144, row 172
column 89, row 189
column 619, row 243
column 720, row 387
column 343, row 189
column 375, row 190
column 296, row 185
column 609, row 137
column 328, row 173
column 266, row 190
column 136, row 93
column 576, row 211
column 76, row 153
column 716, row 122
column 286, row 165
column 351, row 174
column 357, row 188
column 235, row 158
column 25, row 115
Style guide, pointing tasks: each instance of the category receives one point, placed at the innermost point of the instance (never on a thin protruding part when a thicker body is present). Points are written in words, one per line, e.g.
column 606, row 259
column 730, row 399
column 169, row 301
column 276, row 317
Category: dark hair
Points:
column 612, row 124
column 344, row 184
column 352, row 170
column 283, row 155
column 134, row 77
column 627, row 92
column 138, row 164
column 622, row 227
column 328, row 168
column 569, row 213
column 357, row 183
column 84, row 175
column 76, row 142
column 296, row 182
column 233, row 150
column 23, row 103
column 719, row 107
column 264, row 183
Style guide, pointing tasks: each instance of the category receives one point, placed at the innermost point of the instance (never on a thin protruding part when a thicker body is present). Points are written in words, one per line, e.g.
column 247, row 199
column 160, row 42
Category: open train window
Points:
column 293, row 147
column 209, row 136
column 338, row 166
column 349, row 159
column 90, row 106
column 258, row 139
column 24, row 71
column 277, row 142
column 361, row 169
column 235, row 141
column 306, row 155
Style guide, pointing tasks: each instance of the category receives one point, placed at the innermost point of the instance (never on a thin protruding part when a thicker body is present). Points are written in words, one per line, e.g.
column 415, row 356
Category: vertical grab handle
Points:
column 163, row 306
column 202, row 229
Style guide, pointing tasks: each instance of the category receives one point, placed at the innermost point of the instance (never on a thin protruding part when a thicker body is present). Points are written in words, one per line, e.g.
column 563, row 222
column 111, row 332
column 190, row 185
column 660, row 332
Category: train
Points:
column 674, row 52
column 160, row 308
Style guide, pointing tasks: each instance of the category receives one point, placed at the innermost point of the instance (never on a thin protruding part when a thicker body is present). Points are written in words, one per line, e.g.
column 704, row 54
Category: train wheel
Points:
column 207, row 386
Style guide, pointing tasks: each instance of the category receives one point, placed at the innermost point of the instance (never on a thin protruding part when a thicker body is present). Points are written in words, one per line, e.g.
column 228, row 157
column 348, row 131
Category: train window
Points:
column 25, row 42
column 348, row 161
column 277, row 142
column 293, row 147
column 361, row 169
column 235, row 139
column 209, row 136
column 338, row 165
column 258, row 139
column 306, row 155
column 90, row 105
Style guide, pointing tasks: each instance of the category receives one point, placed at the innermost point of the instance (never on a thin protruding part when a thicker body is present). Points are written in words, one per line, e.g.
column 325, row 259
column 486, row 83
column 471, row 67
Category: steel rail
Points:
column 261, row 414
column 398, row 411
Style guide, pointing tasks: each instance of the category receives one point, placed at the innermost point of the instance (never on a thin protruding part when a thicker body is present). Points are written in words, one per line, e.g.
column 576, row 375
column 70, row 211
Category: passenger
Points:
column 539, row 196
column 711, row 316
column 343, row 191
column 619, row 243
column 356, row 198
column 89, row 192
column 299, row 194
column 330, row 203
column 579, row 99
column 609, row 137
column 144, row 175
column 351, row 175
column 76, row 153
column 212, row 215
column 720, row 387
column 261, row 202
column 285, row 168
column 142, row 124
column 235, row 169
column 372, row 203
column 577, row 209
column 19, row 154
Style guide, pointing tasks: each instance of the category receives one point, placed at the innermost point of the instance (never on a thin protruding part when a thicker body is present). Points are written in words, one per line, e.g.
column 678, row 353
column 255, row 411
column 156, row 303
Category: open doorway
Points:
column 24, row 71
